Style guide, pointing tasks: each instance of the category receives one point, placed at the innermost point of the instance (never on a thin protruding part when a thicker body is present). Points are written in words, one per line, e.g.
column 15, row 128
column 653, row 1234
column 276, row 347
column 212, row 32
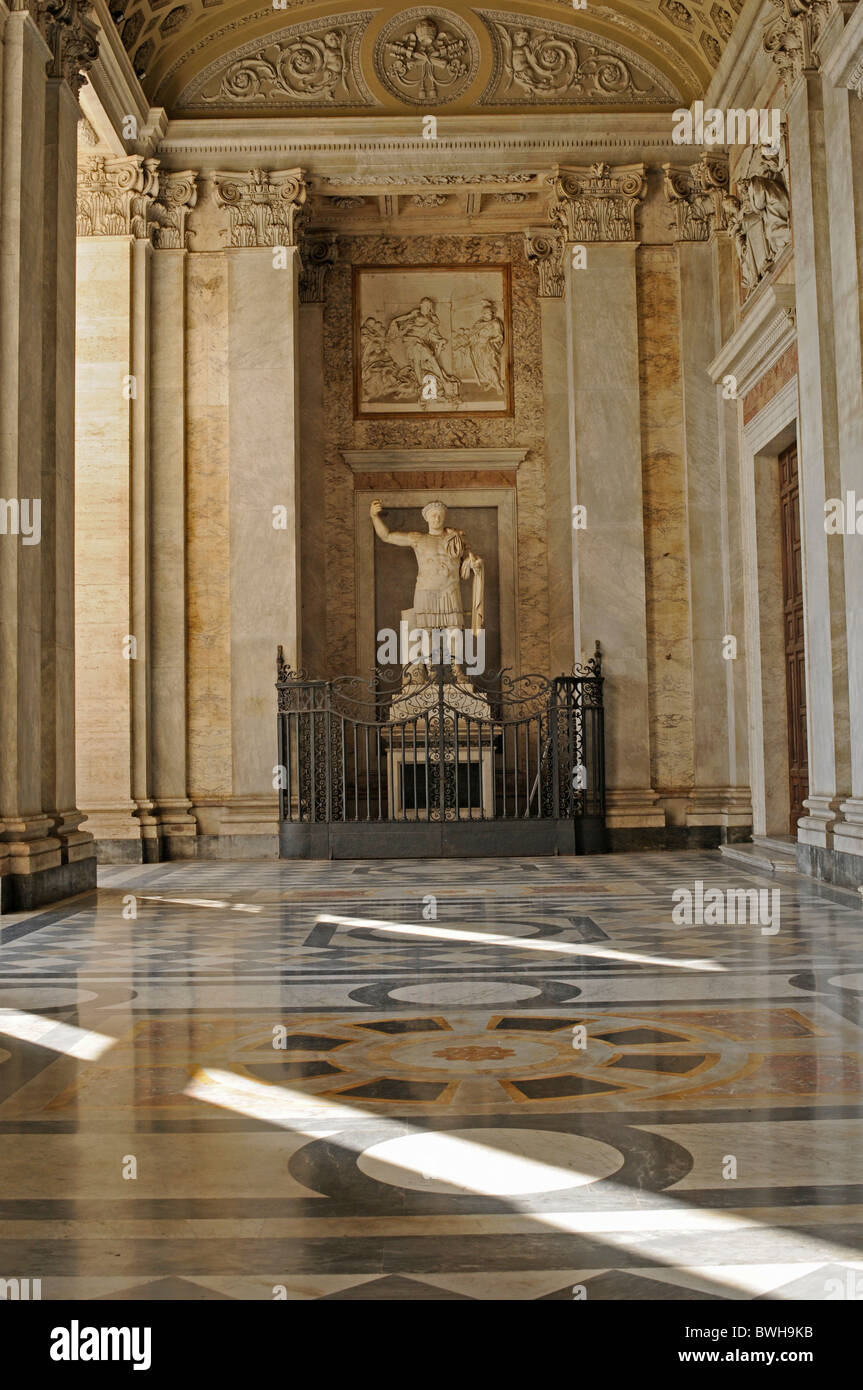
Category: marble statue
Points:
column 444, row 558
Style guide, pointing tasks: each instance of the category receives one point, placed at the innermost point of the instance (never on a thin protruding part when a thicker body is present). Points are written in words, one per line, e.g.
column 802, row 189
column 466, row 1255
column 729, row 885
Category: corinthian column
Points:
column 115, row 198
column 43, row 854
column 263, row 212
column 596, row 210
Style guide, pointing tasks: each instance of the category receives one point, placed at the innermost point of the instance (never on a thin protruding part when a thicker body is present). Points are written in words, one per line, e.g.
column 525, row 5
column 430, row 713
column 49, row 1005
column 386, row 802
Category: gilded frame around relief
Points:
column 432, row 341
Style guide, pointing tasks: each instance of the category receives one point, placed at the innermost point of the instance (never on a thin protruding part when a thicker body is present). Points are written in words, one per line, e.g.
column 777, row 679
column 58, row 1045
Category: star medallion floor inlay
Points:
column 320, row 1087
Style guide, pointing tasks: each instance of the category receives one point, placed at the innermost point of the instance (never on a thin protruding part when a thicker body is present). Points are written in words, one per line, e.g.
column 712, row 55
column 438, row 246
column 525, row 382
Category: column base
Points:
column 817, row 827
column 723, row 806
column 178, row 829
column 237, row 827
column 848, row 833
column 831, row 866
column 627, row 810
column 127, row 834
column 41, row 864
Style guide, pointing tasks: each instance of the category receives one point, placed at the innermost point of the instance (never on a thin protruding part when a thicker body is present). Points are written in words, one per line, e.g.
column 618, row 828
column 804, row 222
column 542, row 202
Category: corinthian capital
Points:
column 263, row 207
column 543, row 247
column 69, row 29
column 319, row 251
column 790, row 36
column 696, row 194
column 599, row 203
column 115, row 196
column 177, row 195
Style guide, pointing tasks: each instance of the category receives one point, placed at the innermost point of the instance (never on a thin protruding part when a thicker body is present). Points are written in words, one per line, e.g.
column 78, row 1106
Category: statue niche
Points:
column 433, row 630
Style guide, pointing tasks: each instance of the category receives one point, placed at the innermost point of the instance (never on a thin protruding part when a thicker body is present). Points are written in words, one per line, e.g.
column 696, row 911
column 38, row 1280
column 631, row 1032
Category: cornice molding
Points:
column 768, row 329
column 843, row 65
column 432, row 460
column 464, row 144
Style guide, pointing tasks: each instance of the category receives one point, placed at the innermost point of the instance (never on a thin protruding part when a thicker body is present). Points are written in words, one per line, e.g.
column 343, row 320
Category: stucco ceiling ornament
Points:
column 426, row 57
column 311, row 64
column 553, row 63
column 599, row 203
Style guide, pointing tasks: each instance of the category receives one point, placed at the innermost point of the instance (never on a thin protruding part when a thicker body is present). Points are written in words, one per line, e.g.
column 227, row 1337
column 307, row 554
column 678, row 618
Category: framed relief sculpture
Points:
column 432, row 341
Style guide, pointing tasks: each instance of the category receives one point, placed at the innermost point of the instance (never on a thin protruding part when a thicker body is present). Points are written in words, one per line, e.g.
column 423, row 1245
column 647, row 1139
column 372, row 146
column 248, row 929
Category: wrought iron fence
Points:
column 376, row 768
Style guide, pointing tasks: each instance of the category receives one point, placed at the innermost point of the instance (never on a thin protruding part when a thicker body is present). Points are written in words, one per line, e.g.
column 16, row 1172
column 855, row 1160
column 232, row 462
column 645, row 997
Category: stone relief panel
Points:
column 311, row 64
column 555, row 64
column 758, row 215
column 433, row 341
column 426, row 58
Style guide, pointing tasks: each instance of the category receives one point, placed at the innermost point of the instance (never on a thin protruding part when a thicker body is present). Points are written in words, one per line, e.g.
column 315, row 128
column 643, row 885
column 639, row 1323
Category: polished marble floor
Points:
column 470, row 1079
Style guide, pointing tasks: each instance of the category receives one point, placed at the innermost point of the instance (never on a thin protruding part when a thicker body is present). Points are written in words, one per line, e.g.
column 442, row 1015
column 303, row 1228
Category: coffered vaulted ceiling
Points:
column 212, row 58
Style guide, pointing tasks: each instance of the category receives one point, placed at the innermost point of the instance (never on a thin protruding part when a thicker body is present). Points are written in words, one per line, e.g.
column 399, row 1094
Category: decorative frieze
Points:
column 70, row 31
column 697, row 195
column 263, row 208
column 599, row 203
column 544, row 249
column 115, row 196
column 318, row 252
column 177, row 195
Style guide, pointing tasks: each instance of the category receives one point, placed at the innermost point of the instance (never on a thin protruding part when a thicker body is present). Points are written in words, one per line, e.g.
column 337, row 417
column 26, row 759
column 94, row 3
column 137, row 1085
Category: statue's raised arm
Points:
column 391, row 537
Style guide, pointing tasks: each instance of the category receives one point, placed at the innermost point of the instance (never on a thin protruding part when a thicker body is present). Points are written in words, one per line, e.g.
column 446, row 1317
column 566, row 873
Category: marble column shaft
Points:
column 263, row 424
column 819, row 469
column 715, row 797
column 313, row 491
column 610, row 591
column 560, row 484
column 167, row 554
column 111, row 543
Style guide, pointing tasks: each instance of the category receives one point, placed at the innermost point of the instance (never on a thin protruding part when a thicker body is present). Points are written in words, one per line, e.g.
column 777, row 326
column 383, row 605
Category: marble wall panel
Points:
column 665, row 531
column 207, row 546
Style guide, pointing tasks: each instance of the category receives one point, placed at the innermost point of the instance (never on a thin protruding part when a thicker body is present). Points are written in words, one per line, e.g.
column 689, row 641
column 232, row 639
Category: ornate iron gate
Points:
column 371, row 770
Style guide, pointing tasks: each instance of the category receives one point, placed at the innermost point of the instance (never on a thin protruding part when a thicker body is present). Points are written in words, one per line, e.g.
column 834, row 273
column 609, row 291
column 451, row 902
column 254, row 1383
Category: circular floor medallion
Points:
column 493, row 1162
column 473, row 992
